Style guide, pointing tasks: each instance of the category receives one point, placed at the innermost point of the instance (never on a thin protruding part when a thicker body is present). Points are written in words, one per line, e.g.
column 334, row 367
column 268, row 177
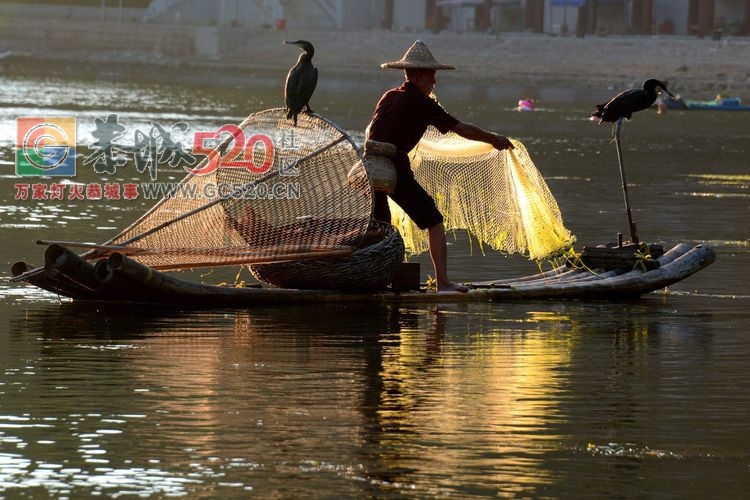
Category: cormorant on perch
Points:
column 300, row 81
column 621, row 106
column 624, row 104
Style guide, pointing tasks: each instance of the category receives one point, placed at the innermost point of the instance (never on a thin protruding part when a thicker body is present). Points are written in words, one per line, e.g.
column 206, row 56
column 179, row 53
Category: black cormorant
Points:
column 624, row 104
column 300, row 81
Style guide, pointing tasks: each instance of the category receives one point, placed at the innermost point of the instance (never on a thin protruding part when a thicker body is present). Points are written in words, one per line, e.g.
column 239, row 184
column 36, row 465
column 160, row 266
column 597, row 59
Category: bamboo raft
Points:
column 122, row 279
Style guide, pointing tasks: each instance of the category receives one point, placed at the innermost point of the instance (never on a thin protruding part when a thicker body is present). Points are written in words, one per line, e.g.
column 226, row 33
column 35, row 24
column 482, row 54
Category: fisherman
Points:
column 401, row 117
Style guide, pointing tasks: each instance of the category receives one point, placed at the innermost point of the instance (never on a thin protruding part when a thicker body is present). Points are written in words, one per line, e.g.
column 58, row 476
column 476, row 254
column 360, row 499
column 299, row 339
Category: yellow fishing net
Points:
column 498, row 196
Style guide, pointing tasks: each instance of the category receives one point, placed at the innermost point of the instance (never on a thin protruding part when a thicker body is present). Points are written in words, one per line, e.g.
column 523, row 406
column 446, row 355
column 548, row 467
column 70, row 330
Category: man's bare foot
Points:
column 453, row 287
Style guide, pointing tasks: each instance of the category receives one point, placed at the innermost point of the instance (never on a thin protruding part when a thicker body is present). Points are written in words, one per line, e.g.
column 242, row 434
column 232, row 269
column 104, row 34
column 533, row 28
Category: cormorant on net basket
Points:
column 300, row 81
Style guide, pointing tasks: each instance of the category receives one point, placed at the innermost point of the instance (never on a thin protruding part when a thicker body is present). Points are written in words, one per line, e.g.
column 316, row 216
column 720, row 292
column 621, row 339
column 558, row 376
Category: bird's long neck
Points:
column 307, row 55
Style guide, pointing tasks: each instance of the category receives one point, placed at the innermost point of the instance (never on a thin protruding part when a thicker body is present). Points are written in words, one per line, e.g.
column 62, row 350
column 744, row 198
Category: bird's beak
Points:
column 291, row 42
column 666, row 92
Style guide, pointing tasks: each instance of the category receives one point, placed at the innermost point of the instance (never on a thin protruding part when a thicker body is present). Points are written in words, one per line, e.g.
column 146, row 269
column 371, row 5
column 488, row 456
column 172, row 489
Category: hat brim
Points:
column 414, row 65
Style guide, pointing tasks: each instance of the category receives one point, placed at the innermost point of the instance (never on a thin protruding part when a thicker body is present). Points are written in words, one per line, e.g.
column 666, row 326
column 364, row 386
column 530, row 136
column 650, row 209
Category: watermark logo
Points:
column 46, row 146
column 242, row 154
column 149, row 150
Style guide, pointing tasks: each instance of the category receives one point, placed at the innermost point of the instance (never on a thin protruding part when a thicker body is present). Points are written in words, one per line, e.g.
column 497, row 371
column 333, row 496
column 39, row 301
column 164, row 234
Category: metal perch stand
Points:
column 633, row 231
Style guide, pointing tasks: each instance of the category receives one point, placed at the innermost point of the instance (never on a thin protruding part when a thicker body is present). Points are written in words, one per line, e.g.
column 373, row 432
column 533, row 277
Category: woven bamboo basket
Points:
column 377, row 166
column 368, row 269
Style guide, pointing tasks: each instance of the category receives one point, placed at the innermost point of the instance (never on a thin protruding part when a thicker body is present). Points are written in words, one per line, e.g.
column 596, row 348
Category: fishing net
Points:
column 271, row 192
column 497, row 196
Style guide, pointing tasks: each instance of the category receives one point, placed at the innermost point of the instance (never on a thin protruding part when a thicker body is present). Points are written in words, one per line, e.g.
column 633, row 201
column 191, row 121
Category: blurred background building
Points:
column 701, row 18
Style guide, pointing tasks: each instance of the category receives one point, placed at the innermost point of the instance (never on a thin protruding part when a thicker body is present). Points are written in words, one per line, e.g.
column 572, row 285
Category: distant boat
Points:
column 526, row 105
column 720, row 104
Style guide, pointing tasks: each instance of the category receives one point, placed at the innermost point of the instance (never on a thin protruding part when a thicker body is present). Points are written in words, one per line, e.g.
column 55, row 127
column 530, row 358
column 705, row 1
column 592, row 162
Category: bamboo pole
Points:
column 241, row 255
column 631, row 223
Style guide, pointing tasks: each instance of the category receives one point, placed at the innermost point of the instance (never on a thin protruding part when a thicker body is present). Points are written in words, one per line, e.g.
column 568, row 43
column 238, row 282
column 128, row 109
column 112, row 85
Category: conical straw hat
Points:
column 418, row 57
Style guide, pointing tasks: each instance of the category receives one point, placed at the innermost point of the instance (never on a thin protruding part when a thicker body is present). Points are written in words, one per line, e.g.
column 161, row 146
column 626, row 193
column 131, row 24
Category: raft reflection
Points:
column 455, row 399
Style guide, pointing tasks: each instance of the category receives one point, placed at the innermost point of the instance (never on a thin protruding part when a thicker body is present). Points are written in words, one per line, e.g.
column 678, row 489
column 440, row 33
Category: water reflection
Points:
column 202, row 393
column 469, row 393
column 451, row 400
column 446, row 412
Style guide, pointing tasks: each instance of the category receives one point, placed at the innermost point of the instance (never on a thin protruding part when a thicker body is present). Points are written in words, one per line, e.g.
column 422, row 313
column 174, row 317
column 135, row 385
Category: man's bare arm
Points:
column 474, row 133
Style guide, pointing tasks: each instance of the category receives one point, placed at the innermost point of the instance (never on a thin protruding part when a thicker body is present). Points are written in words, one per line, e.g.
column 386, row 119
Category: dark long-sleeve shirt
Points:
column 403, row 114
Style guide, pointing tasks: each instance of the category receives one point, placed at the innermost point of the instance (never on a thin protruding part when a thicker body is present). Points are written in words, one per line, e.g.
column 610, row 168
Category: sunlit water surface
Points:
column 637, row 399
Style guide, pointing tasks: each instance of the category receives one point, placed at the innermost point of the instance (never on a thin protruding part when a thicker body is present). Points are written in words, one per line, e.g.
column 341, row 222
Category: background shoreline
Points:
column 696, row 68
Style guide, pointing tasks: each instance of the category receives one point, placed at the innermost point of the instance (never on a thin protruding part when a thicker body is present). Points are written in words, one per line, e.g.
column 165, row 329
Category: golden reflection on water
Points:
column 497, row 400
column 740, row 180
column 731, row 186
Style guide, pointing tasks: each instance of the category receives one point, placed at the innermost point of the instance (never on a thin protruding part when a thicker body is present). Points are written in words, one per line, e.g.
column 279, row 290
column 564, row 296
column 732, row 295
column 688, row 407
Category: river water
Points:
column 548, row 399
